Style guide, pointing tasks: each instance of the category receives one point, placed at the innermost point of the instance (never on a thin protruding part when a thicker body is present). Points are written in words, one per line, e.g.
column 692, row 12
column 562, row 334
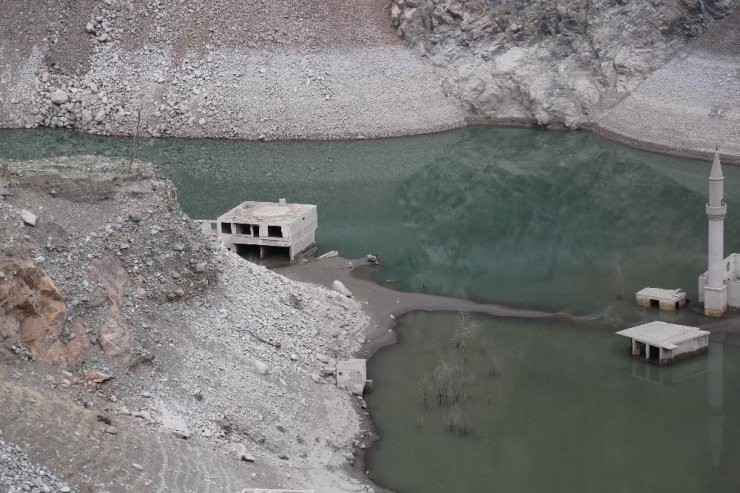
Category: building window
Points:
column 274, row 231
column 226, row 228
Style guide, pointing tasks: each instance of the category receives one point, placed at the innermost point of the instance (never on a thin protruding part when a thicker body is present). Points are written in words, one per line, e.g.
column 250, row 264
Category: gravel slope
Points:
column 250, row 69
column 689, row 105
column 160, row 360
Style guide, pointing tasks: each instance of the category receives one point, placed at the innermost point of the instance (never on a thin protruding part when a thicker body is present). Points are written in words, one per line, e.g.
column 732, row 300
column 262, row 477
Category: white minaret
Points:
column 715, row 292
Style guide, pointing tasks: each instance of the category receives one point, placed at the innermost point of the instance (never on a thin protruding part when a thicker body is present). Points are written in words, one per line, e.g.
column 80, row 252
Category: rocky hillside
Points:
column 250, row 69
column 550, row 62
column 367, row 68
column 142, row 354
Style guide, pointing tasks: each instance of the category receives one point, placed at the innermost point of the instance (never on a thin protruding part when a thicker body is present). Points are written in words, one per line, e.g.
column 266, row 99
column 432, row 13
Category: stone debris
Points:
column 339, row 74
column 330, row 254
column 18, row 473
column 95, row 376
column 340, row 288
column 237, row 352
column 28, row 217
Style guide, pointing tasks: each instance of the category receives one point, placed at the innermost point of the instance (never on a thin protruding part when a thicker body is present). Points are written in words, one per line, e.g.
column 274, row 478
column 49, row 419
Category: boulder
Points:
column 261, row 367
column 33, row 315
column 28, row 217
column 59, row 97
column 340, row 288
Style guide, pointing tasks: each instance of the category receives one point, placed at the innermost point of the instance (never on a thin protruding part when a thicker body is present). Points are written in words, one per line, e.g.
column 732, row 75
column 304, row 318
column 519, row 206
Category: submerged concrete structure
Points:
column 665, row 299
column 662, row 343
column 352, row 375
column 719, row 286
column 266, row 228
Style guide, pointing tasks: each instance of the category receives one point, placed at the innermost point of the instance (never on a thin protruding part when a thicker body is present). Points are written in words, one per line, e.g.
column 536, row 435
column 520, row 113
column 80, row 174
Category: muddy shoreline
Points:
column 385, row 305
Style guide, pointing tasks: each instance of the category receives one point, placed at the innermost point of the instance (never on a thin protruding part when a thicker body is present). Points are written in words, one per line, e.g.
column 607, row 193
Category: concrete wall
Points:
column 731, row 269
column 689, row 347
column 302, row 231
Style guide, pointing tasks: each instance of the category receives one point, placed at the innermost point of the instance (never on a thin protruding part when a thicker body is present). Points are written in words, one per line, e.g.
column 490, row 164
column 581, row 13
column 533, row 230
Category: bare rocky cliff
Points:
column 550, row 62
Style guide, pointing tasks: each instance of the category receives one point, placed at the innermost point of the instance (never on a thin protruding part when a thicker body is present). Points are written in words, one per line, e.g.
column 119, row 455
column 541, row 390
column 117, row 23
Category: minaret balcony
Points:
column 716, row 213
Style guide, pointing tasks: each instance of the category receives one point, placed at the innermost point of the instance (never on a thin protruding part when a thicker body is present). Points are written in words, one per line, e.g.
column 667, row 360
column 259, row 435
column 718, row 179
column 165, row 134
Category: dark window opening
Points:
column 274, row 231
column 226, row 228
column 654, row 353
column 243, row 229
column 214, row 226
column 654, row 304
column 264, row 255
column 677, row 306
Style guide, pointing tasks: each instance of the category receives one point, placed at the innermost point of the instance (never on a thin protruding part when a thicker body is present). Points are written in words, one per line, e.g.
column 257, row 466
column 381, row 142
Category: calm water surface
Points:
column 555, row 220
column 567, row 410
column 551, row 220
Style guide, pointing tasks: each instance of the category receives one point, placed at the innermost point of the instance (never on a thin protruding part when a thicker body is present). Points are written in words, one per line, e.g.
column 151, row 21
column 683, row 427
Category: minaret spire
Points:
column 715, row 292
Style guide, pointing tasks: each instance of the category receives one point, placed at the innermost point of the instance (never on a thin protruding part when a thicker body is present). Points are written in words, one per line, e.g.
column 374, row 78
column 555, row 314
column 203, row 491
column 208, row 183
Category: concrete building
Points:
column 665, row 299
column 352, row 375
column 719, row 287
column 662, row 343
column 280, row 229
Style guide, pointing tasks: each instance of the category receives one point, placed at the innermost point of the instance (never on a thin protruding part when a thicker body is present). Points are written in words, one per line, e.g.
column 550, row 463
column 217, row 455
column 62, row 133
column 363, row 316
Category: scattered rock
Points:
column 28, row 217
column 241, row 453
column 59, row 97
column 261, row 367
column 330, row 254
column 340, row 288
column 95, row 376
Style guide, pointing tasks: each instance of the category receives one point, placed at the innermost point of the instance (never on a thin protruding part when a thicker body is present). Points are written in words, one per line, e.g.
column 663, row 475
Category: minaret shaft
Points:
column 715, row 291
column 716, row 253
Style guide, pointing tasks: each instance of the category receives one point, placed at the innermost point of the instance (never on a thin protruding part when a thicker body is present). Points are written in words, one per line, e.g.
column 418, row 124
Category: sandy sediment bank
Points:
column 383, row 305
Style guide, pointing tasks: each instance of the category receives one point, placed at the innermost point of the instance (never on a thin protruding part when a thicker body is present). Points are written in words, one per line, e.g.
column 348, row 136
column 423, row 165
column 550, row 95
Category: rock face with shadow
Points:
column 550, row 62
column 33, row 313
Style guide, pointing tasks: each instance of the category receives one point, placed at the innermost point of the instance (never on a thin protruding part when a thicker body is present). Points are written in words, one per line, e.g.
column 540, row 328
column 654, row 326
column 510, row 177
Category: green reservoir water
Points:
column 567, row 410
column 554, row 220
column 559, row 221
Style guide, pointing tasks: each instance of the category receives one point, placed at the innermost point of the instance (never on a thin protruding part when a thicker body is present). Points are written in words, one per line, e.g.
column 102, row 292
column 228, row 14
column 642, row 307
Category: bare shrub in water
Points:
column 457, row 420
column 448, row 386
column 465, row 329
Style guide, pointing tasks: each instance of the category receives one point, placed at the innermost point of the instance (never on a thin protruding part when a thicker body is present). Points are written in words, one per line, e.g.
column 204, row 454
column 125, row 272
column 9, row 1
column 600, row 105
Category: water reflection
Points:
column 716, row 401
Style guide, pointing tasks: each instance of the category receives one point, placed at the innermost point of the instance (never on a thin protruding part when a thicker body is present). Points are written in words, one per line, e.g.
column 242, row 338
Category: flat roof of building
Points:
column 662, row 294
column 259, row 212
column 663, row 334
